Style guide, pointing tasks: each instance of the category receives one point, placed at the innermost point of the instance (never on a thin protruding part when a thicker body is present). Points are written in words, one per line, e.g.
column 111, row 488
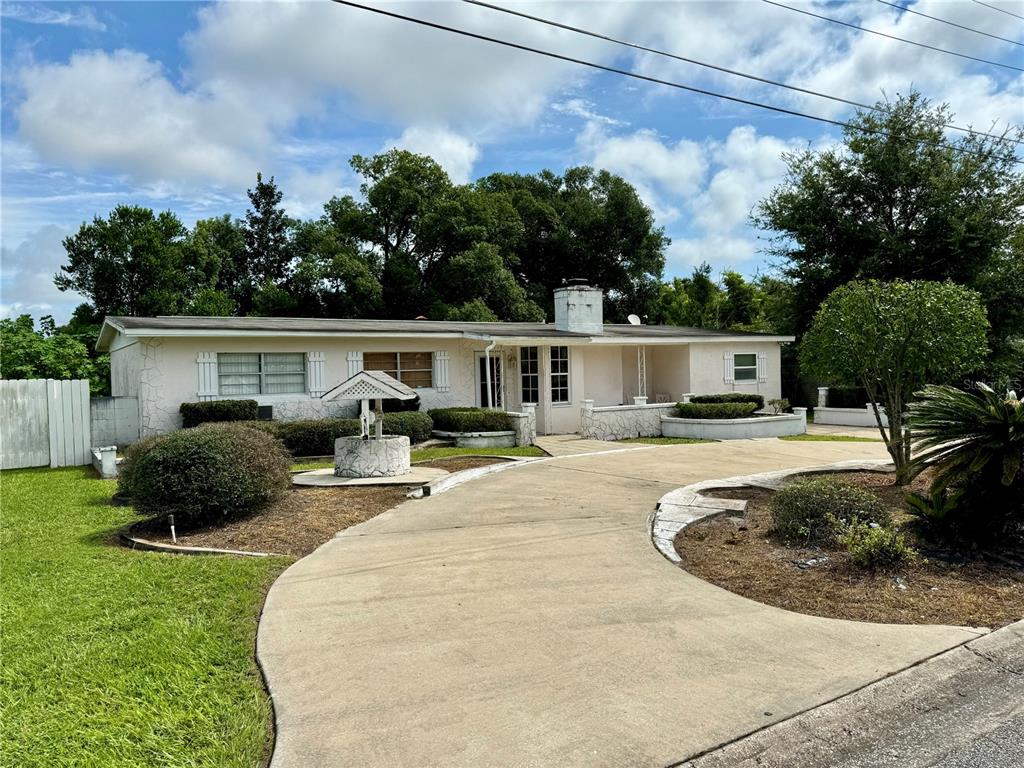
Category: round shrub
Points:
column 206, row 475
column 415, row 425
column 818, row 510
column 877, row 548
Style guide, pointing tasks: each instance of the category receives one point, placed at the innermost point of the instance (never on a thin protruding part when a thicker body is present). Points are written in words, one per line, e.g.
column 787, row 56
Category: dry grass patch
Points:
column 739, row 553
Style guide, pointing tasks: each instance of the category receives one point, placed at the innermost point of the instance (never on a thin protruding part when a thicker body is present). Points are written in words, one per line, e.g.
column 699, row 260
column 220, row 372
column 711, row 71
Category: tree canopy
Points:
column 46, row 353
column 892, row 339
column 901, row 200
column 412, row 243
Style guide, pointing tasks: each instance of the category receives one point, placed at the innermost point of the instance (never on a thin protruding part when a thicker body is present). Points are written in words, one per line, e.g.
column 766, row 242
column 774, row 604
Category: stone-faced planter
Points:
column 503, row 439
column 356, row 457
column 737, row 429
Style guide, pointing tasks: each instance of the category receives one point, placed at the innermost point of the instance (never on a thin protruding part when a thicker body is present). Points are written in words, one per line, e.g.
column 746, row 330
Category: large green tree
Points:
column 892, row 338
column 588, row 224
column 131, row 263
column 902, row 199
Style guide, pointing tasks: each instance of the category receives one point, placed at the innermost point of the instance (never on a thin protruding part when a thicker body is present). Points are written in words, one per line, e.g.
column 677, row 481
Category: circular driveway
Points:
column 525, row 619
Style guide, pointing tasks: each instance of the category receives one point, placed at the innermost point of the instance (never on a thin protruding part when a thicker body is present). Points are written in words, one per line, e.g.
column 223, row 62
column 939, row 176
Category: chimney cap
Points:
column 576, row 282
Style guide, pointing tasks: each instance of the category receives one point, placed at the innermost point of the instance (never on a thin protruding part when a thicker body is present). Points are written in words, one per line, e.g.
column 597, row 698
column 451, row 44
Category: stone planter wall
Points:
column 736, row 429
column 355, row 457
column 618, row 422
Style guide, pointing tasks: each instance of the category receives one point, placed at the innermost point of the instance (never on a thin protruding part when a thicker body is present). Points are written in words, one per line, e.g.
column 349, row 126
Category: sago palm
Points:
column 974, row 441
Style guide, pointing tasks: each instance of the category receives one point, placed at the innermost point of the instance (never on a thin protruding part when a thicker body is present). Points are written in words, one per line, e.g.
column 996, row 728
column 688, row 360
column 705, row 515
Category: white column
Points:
column 822, row 397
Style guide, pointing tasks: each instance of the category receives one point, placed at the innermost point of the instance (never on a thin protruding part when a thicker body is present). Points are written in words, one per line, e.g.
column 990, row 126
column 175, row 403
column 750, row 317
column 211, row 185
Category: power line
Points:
column 650, row 79
column 950, row 23
column 737, row 73
column 893, row 37
column 1001, row 10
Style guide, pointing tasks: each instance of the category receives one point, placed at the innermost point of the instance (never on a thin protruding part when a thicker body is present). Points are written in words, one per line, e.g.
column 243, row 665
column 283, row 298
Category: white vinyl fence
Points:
column 44, row 422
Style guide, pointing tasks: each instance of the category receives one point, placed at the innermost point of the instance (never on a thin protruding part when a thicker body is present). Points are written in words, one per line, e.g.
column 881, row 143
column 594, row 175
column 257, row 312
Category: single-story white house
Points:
column 290, row 363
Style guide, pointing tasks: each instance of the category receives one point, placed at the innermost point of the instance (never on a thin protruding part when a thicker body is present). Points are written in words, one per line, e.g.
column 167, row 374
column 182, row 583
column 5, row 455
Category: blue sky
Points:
column 178, row 105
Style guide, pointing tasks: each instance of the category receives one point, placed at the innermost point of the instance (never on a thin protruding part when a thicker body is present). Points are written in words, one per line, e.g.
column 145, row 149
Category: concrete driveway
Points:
column 524, row 619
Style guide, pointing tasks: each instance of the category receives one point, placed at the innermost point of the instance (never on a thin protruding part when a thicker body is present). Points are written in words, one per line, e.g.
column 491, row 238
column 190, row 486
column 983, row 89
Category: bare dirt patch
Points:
column 739, row 553
column 296, row 525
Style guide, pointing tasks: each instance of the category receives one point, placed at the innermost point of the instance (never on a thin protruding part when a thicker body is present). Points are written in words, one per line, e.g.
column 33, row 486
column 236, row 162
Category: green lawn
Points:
column 664, row 440
column 120, row 658
column 429, row 454
column 831, row 439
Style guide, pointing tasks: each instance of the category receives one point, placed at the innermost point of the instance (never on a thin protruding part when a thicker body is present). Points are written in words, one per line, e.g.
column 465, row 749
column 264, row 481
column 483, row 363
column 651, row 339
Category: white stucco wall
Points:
column 602, row 374
column 707, row 368
column 166, row 373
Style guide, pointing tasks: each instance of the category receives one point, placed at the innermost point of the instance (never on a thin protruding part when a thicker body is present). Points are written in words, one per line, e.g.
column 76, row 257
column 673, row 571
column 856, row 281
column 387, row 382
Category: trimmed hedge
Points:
column 730, row 397
column 206, row 475
column 415, row 425
column 194, row 414
column 818, row 510
column 715, row 410
column 470, row 420
column 315, row 437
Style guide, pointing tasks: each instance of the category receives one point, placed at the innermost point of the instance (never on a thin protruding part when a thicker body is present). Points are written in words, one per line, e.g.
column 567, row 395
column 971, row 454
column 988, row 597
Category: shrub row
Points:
column 730, row 397
column 470, row 420
column 715, row 410
column 194, row 414
column 315, row 437
column 205, row 475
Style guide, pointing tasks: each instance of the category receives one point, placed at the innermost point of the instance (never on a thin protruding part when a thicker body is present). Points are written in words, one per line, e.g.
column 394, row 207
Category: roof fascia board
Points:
column 196, row 332
column 648, row 341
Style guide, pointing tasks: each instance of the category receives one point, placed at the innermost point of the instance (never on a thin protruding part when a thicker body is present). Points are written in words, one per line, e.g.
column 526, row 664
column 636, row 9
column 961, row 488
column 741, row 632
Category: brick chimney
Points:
column 579, row 308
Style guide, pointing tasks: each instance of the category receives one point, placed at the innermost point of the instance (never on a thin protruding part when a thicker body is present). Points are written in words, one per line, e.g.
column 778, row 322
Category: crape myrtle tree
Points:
column 900, row 199
column 892, row 338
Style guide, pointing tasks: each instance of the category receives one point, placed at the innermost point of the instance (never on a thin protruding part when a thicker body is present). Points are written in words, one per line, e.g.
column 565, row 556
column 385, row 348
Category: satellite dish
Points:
column 634, row 320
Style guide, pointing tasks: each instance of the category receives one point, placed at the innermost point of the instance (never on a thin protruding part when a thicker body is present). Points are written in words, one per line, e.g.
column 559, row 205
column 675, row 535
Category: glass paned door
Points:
column 481, row 371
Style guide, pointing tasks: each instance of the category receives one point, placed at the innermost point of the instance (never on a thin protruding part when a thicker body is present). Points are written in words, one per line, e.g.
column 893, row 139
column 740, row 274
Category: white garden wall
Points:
column 623, row 421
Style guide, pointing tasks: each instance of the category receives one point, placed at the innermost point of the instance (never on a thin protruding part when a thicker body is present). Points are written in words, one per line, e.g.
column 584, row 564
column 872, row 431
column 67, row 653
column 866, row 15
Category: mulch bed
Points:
column 303, row 519
column 739, row 553
column 296, row 525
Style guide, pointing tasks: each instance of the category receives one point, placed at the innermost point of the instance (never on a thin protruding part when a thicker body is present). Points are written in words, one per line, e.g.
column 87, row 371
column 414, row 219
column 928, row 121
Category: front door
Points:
column 495, row 400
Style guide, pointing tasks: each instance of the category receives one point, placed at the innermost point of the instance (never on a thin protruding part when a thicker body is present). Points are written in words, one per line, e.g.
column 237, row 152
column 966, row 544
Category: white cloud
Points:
column 39, row 13
column 584, row 109
column 452, row 151
column 664, row 174
column 26, row 276
column 119, row 112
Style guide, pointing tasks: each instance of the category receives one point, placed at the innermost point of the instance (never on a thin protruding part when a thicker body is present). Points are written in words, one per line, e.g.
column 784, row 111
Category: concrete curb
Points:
column 685, row 506
column 933, row 713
